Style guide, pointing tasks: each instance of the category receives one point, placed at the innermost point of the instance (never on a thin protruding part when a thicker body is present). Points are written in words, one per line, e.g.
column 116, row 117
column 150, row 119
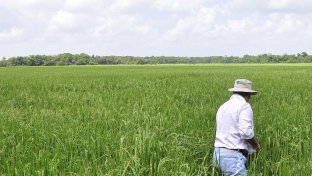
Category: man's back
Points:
column 234, row 123
column 234, row 134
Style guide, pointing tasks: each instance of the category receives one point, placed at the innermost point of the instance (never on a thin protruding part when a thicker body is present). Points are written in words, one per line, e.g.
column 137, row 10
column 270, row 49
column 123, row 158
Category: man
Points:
column 235, row 137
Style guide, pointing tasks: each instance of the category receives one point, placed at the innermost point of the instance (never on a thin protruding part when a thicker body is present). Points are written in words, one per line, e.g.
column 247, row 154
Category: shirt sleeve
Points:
column 245, row 122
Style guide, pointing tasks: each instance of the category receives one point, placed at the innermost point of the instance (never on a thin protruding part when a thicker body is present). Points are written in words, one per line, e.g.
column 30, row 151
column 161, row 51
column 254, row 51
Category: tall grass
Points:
column 147, row 120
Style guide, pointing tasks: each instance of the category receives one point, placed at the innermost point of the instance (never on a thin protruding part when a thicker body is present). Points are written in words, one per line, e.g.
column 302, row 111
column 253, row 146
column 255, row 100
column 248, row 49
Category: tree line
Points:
column 85, row 59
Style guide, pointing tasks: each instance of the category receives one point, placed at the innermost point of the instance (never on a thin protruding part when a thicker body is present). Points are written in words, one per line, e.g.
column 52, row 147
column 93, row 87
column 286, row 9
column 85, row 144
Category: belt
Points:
column 242, row 151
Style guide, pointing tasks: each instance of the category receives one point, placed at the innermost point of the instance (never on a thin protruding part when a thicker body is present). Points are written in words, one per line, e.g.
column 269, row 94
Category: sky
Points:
column 155, row 27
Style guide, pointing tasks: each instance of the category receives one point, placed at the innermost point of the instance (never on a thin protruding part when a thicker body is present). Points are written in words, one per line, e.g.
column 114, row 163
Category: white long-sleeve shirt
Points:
column 234, row 124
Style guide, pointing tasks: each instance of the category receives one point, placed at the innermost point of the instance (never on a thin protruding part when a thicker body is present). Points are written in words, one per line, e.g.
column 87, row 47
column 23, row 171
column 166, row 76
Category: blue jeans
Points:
column 231, row 162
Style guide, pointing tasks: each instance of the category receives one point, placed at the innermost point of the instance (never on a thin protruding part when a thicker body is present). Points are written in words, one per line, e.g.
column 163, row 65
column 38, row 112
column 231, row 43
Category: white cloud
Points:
column 121, row 25
column 11, row 35
column 143, row 28
column 177, row 5
column 293, row 5
column 166, row 25
column 265, row 7
column 123, row 5
column 282, row 25
column 289, row 24
column 78, row 4
column 200, row 23
column 31, row 6
column 64, row 21
column 241, row 6
column 278, row 4
column 241, row 26
column 86, row 6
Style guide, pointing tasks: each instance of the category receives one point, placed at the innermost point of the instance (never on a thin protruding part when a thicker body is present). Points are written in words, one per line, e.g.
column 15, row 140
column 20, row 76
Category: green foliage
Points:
column 147, row 120
column 85, row 59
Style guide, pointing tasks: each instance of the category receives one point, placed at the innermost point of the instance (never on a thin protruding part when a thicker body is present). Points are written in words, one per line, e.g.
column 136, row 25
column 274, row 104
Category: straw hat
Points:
column 243, row 85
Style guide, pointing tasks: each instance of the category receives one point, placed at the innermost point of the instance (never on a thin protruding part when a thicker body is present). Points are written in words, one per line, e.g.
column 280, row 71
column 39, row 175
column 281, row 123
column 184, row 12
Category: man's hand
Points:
column 257, row 148
column 254, row 143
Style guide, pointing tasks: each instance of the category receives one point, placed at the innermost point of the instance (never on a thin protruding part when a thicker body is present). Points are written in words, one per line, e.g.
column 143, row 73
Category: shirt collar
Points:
column 238, row 97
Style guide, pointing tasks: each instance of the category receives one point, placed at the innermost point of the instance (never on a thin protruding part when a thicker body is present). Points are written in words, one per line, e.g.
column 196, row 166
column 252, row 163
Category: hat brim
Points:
column 253, row 92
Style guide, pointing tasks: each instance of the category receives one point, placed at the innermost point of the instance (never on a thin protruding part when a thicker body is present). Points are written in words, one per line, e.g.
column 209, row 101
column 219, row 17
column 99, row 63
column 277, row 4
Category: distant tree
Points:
column 82, row 59
column 4, row 63
column 51, row 61
column 19, row 60
column 66, row 59
column 85, row 59
column 36, row 60
column 304, row 54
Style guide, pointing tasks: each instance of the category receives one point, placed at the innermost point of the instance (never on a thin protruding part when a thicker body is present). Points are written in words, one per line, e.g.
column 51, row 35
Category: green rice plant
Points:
column 147, row 120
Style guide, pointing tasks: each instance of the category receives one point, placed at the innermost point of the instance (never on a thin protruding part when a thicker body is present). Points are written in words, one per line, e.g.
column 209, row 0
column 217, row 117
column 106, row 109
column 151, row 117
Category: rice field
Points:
column 148, row 120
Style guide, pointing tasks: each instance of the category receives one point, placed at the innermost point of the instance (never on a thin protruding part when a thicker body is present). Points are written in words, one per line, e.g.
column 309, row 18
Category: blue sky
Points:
column 155, row 27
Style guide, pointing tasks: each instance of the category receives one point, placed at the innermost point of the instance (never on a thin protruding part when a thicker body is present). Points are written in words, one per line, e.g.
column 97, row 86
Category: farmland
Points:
column 147, row 120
